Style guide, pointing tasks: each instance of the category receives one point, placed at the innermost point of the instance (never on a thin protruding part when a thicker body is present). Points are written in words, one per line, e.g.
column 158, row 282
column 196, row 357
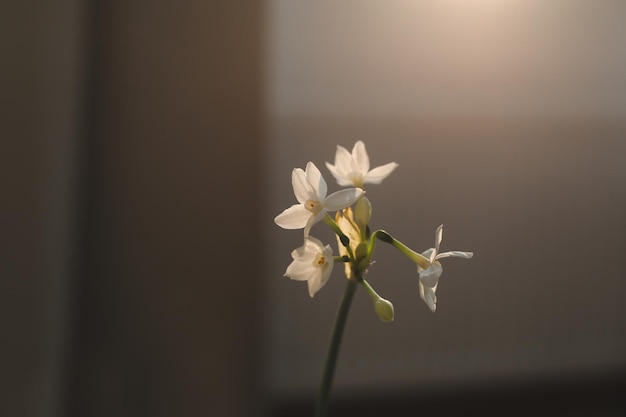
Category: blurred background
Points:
column 147, row 147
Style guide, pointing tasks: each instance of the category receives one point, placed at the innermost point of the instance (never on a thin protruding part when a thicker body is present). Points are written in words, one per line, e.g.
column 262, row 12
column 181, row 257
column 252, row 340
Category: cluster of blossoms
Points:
column 313, row 261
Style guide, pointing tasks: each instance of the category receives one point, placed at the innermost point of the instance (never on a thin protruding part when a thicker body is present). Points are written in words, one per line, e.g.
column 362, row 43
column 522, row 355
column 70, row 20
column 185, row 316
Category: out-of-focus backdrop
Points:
column 147, row 147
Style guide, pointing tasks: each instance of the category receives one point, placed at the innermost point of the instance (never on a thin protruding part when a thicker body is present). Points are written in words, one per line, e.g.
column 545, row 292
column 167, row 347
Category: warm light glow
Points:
column 444, row 58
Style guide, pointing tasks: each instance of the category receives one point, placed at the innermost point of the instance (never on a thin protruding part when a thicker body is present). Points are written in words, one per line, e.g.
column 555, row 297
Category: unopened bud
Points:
column 384, row 309
column 363, row 212
column 361, row 250
column 363, row 261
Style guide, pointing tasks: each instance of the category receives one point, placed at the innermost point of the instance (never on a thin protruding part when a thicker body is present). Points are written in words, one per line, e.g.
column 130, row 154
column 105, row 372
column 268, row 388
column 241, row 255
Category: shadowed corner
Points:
column 135, row 137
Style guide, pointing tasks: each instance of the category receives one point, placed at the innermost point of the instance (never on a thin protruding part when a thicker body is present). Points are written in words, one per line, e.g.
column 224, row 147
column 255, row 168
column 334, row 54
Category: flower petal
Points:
column 342, row 160
column 430, row 276
column 301, row 187
column 320, row 278
column 456, row 254
column 316, row 181
column 335, row 171
column 295, row 217
column 312, row 220
column 315, row 246
column 340, row 176
column 428, row 295
column 315, row 283
column 428, row 254
column 438, row 238
column 303, row 267
column 378, row 174
column 300, row 270
column 359, row 154
column 341, row 199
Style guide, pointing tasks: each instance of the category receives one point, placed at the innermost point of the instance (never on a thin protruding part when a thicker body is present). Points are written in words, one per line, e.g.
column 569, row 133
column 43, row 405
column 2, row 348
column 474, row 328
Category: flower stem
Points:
column 321, row 409
column 373, row 294
column 419, row 259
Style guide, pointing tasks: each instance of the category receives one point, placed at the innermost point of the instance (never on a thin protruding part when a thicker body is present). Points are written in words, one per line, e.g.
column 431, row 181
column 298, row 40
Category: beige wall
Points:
column 509, row 125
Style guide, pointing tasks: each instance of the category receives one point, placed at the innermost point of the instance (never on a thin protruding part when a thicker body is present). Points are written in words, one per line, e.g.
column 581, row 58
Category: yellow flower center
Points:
column 313, row 206
column 319, row 261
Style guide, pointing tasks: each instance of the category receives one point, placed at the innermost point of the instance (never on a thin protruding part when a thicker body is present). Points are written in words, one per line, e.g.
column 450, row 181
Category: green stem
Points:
column 321, row 409
column 373, row 294
column 418, row 258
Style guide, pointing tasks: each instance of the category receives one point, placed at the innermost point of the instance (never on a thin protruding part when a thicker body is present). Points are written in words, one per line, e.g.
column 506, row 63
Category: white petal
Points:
column 342, row 160
column 342, row 178
column 456, row 254
column 428, row 254
column 378, row 174
column 305, row 253
column 315, row 283
column 315, row 246
column 428, row 295
column 359, row 154
column 300, row 270
column 301, row 187
column 320, row 278
column 341, row 199
column 312, row 220
column 327, row 251
column 334, row 171
column 430, row 276
column 303, row 268
column 316, row 181
column 295, row 217
column 438, row 238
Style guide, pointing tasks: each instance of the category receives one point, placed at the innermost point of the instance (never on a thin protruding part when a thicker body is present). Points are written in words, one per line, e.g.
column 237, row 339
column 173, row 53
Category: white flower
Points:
column 310, row 190
column 354, row 169
column 313, row 263
column 429, row 277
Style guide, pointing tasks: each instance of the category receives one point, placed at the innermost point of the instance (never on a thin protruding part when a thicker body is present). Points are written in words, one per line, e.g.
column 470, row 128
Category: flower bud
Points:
column 384, row 309
column 363, row 212
column 361, row 251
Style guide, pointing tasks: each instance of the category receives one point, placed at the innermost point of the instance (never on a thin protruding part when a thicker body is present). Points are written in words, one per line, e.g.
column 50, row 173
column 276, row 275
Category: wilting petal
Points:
column 428, row 253
column 301, row 187
column 378, row 174
column 359, row 154
column 428, row 294
column 315, row 179
column 455, row 253
column 438, row 238
column 295, row 217
column 341, row 199
column 430, row 276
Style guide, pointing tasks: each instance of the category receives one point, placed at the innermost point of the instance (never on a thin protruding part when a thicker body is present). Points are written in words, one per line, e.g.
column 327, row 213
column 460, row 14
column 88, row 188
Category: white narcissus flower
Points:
column 310, row 190
column 312, row 262
column 354, row 168
column 429, row 277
